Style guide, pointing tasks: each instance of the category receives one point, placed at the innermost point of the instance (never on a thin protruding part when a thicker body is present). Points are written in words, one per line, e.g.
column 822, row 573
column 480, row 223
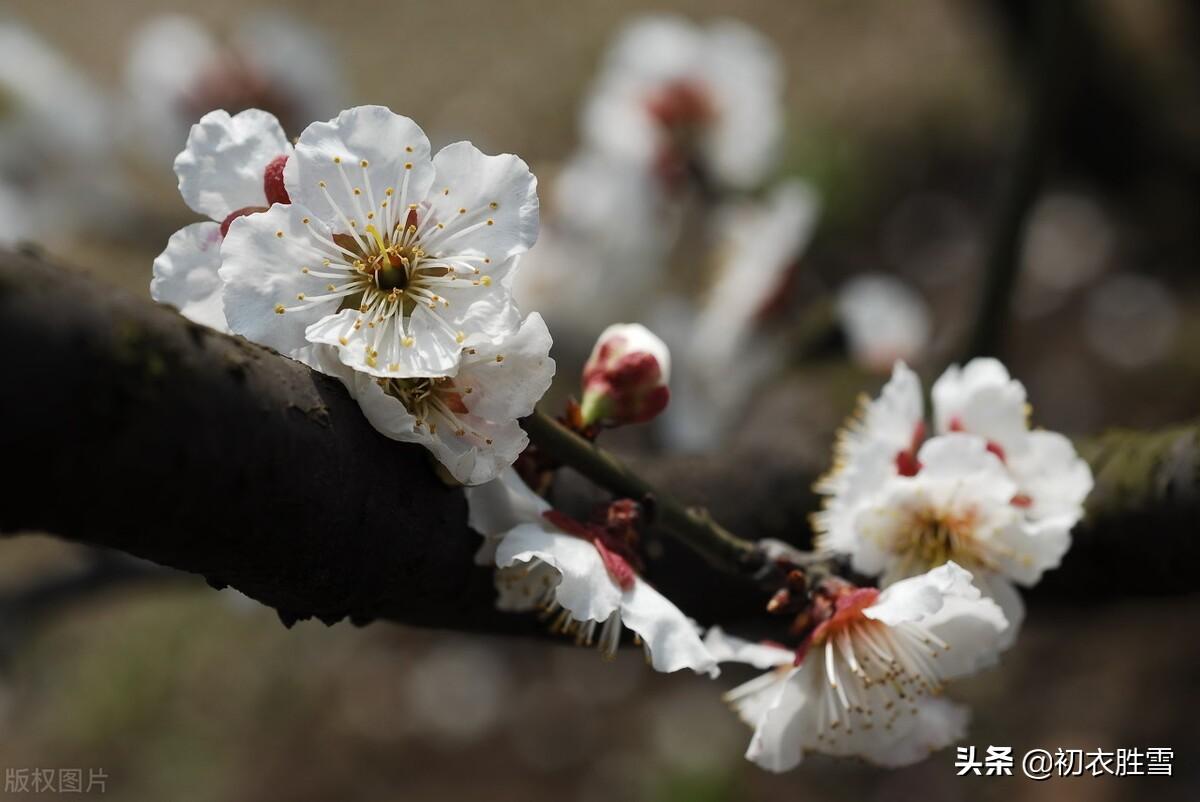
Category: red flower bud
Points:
column 625, row 379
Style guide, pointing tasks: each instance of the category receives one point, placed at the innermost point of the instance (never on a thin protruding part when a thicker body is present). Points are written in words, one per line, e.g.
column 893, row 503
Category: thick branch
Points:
column 128, row 427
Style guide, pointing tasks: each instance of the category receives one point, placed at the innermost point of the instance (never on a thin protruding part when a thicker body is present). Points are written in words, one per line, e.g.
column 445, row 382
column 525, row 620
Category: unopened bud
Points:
column 625, row 378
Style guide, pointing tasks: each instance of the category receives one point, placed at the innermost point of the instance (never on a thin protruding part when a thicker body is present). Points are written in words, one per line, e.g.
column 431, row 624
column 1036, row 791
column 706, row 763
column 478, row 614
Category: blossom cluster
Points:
column 667, row 214
column 361, row 253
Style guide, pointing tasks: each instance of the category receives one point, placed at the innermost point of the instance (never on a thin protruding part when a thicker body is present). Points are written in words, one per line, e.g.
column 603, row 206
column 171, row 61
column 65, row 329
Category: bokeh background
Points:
column 905, row 118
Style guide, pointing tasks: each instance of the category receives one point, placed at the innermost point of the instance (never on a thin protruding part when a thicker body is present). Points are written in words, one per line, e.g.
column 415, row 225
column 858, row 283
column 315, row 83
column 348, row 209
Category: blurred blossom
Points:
column 721, row 355
column 178, row 70
column 884, row 320
column 681, row 100
column 601, row 252
column 459, row 690
column 1068, row 241
column 58, row 173
column 1131, row 320
column 986, row 491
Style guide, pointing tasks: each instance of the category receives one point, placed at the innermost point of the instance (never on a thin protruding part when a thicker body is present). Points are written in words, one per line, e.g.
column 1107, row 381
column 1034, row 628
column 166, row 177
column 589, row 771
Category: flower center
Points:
column 436, row 401
column 928, row 538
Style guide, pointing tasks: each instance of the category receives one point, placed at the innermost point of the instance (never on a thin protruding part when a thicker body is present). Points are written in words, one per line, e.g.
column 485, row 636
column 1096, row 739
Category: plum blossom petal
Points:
column 364, row 258
column 221, row 170
column 349, row 167
column 671, row 92
column 185, row 275
column 884, row 319
column 467, row 421
column 542, row 567
column 275, row 261
column 867, row 684
column 722, row 355
column 981, row 398
column 495, row 197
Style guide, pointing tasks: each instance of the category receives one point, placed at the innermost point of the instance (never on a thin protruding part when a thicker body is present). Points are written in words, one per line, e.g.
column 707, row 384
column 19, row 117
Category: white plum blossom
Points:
column 397, row 260
column 583, row 584
column 231, row 166
column 867, row 681
column 178, row 70
column 722, row 354
column 678, row 99
column 982, row 399
column 884, row 320
column 468, row 420
column 985, row 492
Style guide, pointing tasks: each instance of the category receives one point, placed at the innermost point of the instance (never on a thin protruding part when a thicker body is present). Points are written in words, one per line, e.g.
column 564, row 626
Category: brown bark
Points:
column 129, row 427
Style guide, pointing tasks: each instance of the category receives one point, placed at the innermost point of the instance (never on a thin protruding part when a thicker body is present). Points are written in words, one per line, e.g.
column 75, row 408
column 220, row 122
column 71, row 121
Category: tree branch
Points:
column 128, row 427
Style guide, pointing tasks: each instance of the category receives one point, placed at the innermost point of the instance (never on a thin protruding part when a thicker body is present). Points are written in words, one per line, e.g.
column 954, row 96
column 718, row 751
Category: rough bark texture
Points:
column 131, row 428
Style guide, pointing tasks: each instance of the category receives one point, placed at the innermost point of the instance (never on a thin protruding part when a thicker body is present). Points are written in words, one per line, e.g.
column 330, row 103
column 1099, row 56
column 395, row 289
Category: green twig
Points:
column 692, row 525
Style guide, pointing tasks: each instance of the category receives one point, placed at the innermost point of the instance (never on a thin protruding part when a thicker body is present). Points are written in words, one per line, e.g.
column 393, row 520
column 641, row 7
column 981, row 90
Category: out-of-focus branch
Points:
column 128, row 427
column 1021, row 182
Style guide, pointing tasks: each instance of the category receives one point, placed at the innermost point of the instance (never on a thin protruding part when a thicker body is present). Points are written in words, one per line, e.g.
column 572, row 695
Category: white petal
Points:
column 672, row 638
column 726, row 648
column 469, row 460
column 745, row 75
column 504, row 382
column 959, row 457
column 584, row 587
column 947, row 603
column 1027, row 549
column 913, row 600
column 387, row 414
column 502, row 504
column 185, row 275
column 884, row 320
column 1001, row 590
column 488, row 204
column 483, row 312
column 982, row 399
column 784, row 724
column 1054, row 477
column 263, row 270
column 221, row 169
column 396, row 152
column 433, row 352
column 937, row 724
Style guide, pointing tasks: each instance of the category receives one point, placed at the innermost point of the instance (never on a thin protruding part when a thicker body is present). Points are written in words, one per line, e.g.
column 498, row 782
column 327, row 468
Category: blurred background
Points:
column 864, row 182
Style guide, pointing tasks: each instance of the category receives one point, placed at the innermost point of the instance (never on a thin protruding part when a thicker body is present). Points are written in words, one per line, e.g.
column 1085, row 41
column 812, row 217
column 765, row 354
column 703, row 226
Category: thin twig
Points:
column 691, row 525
